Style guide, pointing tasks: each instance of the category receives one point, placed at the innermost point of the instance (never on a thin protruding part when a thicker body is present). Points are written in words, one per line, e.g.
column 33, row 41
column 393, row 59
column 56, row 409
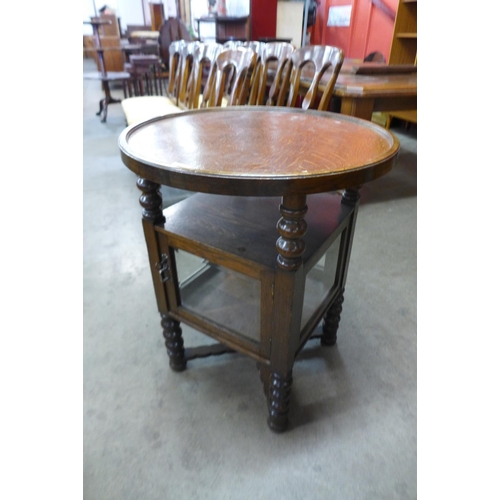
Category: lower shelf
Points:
column 244, row 228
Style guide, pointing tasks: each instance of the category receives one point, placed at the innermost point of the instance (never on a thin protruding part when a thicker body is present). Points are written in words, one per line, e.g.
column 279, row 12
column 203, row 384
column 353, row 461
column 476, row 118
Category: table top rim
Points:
column 137, row 163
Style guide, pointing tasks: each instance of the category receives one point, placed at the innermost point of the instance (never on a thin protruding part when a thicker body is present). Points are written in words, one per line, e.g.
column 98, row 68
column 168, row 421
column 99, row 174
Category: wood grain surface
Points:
column 254, row 150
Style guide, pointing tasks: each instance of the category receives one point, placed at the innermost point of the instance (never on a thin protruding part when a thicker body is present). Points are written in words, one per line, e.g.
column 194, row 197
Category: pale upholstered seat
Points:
column 140, row 108
column 187, row 59
column 149, row 106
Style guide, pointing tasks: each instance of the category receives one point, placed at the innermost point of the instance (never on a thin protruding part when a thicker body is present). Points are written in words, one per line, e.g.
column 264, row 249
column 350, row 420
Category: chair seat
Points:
column 138, row 109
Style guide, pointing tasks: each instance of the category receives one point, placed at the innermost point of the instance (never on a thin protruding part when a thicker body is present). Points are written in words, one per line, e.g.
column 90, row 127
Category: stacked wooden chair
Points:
column 146, row 75
column 229, row 81
column 320, row 58
column 203, row 62
column 253, row 73
column 140, row 108
column 272, row 73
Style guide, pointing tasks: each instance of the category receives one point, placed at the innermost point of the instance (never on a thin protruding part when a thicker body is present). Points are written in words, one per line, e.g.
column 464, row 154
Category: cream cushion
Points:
column 141, row 108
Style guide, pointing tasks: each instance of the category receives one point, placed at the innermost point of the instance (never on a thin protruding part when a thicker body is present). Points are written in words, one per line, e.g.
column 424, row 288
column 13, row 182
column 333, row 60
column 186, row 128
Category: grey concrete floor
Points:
column 150, row 433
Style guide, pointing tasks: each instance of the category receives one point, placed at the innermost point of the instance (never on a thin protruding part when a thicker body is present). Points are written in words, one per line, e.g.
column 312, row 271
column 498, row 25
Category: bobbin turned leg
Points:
column 287, row 308
column 152, row 214
column 280, row 390
column 331, row 321
column 174, row 343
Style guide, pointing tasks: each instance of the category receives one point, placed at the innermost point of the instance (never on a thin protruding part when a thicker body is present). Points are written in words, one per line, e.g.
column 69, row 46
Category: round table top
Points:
column 258, row 150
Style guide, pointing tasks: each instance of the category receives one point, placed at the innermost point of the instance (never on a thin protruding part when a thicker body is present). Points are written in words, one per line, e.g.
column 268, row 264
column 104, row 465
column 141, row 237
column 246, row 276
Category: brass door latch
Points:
column 163, row 268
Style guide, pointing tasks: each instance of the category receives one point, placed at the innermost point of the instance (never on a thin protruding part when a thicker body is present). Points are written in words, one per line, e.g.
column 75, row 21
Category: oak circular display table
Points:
column 258, row 257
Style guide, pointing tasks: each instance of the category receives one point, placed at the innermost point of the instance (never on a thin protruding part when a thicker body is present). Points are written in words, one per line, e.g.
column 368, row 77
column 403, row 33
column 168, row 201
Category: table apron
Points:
column 363, row 107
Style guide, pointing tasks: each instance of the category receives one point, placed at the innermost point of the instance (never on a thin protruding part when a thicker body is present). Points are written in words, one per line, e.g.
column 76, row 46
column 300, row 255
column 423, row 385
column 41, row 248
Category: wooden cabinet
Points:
column 227, row 28
column 109, row 35
column 157, row 15
column 232, row 28
column 404, row 45
column 404, row 40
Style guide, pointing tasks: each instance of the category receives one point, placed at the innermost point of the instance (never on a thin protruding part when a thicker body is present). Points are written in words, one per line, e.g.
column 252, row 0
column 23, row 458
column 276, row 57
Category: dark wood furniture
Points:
column 103, row 75
column 148, row 47
column 109, row 40
column 157, row 14
column 261, row 288
column 361, row 95
column 363, row 88
column 145, row 75
column 267, row 39
column 227, row 27
column 171, row 30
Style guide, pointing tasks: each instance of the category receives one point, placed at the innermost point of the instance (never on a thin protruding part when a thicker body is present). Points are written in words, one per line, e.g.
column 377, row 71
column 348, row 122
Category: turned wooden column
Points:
column 152, row 214
column 288, row 296
column 351, row 196
column 174, row 343
column 331, row 320
column 291, row 228
column 151, row 201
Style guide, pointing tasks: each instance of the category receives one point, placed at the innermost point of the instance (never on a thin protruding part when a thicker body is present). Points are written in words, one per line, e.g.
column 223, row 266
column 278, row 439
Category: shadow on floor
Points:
column 401, row 182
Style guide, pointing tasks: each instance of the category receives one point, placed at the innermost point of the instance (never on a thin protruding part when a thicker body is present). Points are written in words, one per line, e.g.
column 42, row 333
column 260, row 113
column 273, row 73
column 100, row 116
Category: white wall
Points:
column 88, row 12
column 199, row 8
column 289, row 21
column 129, row 11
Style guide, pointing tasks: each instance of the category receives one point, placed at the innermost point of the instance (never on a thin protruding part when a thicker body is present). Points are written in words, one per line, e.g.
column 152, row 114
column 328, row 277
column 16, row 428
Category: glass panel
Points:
column 319, row 280
column 225, row 297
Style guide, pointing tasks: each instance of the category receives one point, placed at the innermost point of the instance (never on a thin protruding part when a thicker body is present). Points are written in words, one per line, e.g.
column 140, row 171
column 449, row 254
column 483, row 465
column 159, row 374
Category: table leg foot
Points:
column 101, row 106
column 279, row 401
column 103, row 109
column 331, row 321
column 174, row 343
